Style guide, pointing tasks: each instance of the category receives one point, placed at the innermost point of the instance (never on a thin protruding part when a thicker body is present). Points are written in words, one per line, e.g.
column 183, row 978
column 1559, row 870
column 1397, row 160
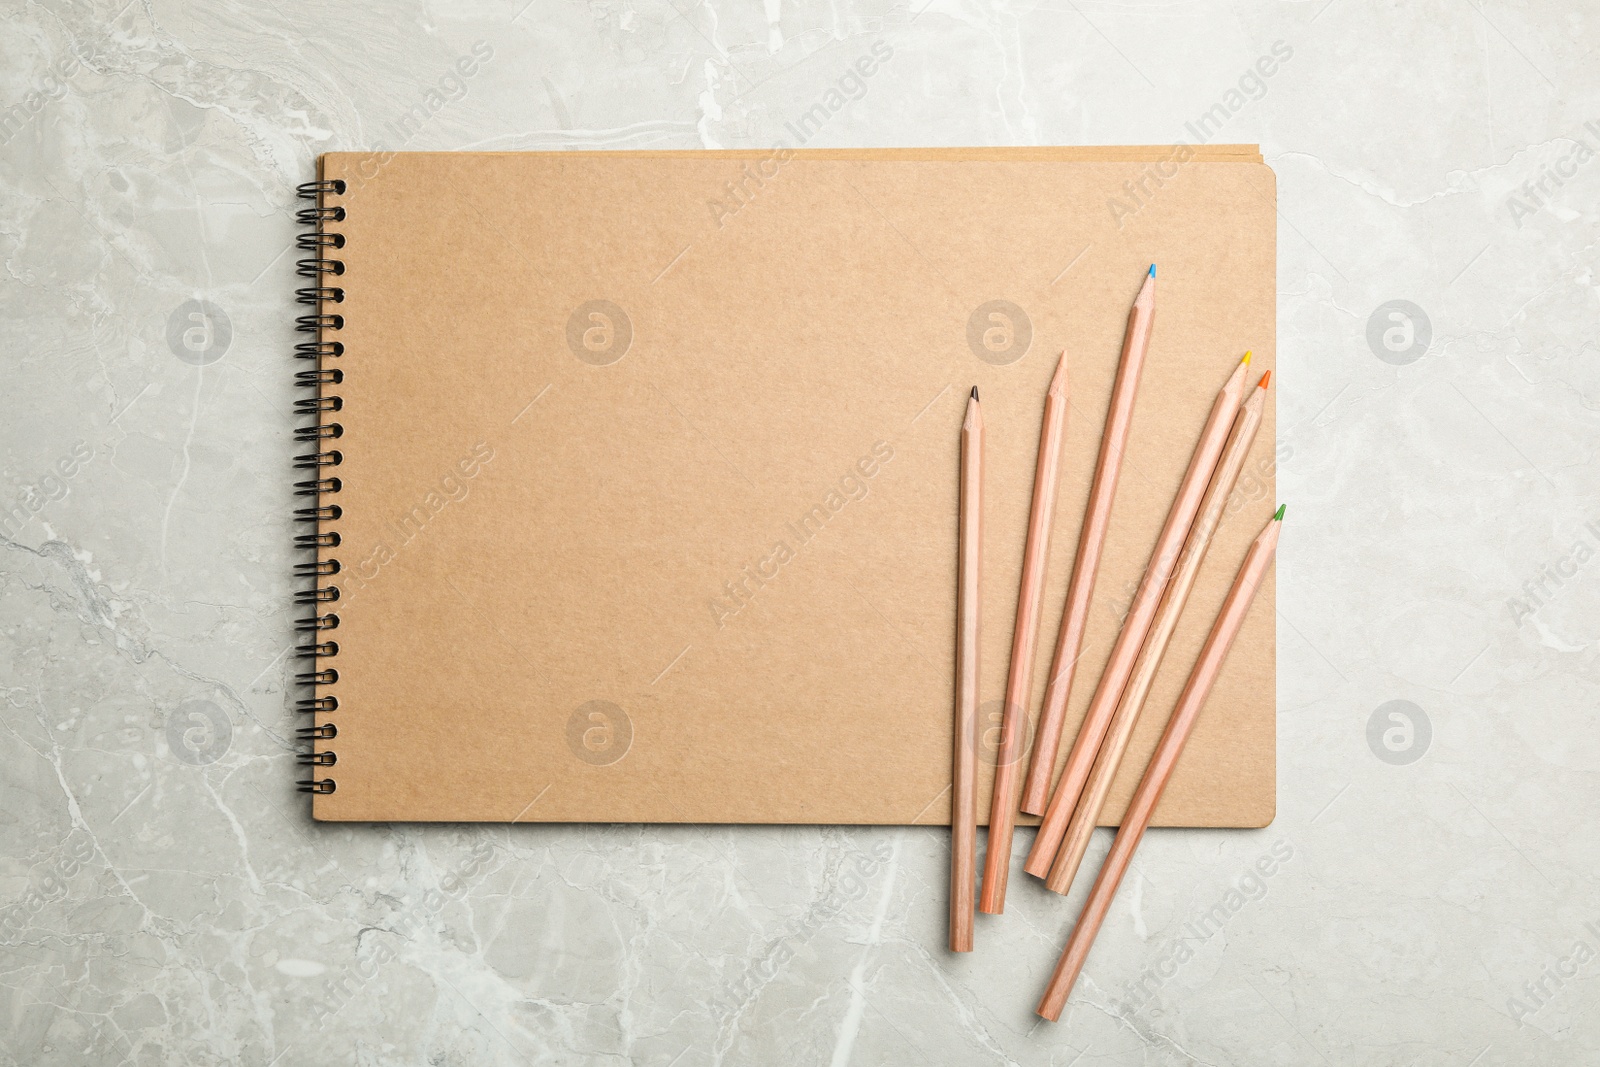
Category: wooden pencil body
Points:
column 1141, row 809
column 1091, row 540
column 1024, row 639
column 1137, row 624
column 964, row 787
column 1081, row 827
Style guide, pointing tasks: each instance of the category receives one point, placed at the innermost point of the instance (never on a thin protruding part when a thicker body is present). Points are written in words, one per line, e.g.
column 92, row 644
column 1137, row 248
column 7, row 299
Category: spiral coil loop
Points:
column 306, row 379
column 321, row 270
column 320, row 459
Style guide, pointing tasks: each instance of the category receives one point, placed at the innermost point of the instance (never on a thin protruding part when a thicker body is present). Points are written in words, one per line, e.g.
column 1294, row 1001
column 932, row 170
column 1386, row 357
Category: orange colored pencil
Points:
column 1081, row 828
column 1091, row 539
column 969, row 591
column 1134, row 628
column 1142, row 808
column 1024, row 637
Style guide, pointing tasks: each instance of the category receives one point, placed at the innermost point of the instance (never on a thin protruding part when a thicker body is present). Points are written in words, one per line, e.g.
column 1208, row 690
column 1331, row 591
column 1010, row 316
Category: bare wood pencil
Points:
column 1143, row 806
column 1091, row 540
column 969, row 592
column 1109, row 692
column 1081, row 827
column 1024, row 638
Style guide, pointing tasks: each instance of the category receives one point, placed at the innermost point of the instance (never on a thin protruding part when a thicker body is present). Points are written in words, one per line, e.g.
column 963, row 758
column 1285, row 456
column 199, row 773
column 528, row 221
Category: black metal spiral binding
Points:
column 321, row 269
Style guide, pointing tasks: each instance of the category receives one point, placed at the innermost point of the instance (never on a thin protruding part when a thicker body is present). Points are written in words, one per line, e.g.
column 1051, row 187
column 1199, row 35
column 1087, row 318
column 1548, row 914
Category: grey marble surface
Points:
column 1432, row 897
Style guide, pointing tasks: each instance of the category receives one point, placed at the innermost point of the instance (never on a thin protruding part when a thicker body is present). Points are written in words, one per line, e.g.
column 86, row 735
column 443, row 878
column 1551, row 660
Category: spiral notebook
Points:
column 631, row 491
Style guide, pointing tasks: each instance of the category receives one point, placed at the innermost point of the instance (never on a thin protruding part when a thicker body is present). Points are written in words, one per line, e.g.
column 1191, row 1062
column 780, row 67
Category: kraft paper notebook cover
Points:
column 646, row 481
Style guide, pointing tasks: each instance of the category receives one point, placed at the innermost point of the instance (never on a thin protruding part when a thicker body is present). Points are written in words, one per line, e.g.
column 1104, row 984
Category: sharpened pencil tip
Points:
column 1281, row 509
column 974, row 392
column 1264, row 379
column 1152, row 270
column 1246, row 359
